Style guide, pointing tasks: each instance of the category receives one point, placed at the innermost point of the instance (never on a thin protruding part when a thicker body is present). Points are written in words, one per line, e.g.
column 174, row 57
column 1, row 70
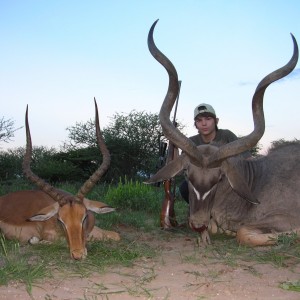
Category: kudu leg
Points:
column 167, row 215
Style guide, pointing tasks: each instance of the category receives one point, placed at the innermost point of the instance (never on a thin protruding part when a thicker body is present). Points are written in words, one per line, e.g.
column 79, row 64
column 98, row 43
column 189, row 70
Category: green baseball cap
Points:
column 204, row 108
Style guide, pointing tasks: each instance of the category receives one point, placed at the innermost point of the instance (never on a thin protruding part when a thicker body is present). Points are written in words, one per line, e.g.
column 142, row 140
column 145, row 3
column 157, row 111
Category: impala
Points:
column 49, row 214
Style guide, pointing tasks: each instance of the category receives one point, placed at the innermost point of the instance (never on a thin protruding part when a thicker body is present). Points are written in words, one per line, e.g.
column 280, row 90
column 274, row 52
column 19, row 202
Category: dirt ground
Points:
column 180, row 271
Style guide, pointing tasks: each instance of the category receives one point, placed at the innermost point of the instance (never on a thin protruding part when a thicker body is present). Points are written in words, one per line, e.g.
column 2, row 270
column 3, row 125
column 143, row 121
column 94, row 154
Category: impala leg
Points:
column 98, row 234
column 35, row 240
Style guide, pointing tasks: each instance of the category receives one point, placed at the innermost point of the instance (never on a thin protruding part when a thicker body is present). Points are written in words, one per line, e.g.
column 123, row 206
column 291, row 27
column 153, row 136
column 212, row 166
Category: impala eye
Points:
column 61, row 222
column 84, row 219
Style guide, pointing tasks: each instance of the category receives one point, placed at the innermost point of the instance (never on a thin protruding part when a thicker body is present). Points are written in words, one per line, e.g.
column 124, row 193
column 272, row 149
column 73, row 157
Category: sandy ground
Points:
column 180, row 271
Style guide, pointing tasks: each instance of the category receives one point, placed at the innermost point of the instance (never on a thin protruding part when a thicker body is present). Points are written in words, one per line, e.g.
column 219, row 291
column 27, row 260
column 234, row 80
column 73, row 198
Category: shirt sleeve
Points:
column 229, row 136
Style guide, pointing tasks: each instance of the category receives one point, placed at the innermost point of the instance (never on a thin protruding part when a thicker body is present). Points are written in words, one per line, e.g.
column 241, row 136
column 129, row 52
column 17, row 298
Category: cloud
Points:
column 243, row 83
column 295, row 75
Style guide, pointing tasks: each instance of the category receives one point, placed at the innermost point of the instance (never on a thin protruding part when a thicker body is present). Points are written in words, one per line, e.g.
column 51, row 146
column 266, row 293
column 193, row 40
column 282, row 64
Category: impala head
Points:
column 217, row 154
column 74, row 212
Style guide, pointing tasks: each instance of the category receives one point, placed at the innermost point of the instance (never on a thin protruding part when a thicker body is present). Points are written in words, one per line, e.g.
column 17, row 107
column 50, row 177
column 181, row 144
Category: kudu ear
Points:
column 45, row 213
column 169, row 170
column 237, row 182
column 97, row 207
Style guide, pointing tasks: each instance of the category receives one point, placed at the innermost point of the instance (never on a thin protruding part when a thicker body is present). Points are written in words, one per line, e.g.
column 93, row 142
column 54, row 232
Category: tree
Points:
column 11, row 164
column 133, row 141
column 49, row 165
column 7, row 130
column 136, row 138
column 255, row 150
column 81, row 162
column 46, row 163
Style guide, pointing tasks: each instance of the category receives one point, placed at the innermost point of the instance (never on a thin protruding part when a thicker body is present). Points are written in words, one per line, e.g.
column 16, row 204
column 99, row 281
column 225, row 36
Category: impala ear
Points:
column 169, row 170
column 45, row 213
column 97, row 207
column 237, row 182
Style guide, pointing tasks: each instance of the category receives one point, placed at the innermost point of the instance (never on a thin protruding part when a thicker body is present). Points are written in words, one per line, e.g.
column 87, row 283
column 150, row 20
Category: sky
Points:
column 56, row 56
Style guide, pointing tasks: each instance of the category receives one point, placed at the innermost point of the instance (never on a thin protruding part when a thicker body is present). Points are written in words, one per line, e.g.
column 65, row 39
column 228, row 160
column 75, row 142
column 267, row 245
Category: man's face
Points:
column 206, row 125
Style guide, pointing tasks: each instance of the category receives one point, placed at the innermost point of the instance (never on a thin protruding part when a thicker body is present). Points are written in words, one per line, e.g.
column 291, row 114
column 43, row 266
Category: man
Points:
column 206, row 122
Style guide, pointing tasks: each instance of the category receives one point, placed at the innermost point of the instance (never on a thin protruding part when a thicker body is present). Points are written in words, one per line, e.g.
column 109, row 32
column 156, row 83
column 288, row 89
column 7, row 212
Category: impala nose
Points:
column 79, row 254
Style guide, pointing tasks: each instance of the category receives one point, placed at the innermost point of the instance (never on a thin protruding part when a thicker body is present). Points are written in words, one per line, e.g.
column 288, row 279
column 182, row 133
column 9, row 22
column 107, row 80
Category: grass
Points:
column 17, row 265
column 32, row 263
column 226, row 249
column 290, row 286
column 138, row 210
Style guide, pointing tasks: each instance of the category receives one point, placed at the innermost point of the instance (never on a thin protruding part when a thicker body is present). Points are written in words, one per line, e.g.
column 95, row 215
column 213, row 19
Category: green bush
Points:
column 134, row 195
column 10, row 186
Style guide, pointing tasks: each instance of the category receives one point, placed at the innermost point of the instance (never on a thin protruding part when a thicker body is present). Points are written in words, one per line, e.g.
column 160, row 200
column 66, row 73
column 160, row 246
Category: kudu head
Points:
column 73, row 211
column 209, row 156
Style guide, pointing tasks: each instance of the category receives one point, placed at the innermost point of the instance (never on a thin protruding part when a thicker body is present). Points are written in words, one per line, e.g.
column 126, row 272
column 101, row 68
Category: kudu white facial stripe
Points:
column 198, row 195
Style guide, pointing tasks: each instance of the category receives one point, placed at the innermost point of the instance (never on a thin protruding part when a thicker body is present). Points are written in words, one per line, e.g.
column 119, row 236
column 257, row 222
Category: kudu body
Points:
column 255, row 199
column 50, row 214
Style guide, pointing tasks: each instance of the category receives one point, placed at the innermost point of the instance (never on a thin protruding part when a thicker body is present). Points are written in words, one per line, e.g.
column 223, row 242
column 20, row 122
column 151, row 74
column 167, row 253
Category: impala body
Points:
column 256, row 200
column 50, row 214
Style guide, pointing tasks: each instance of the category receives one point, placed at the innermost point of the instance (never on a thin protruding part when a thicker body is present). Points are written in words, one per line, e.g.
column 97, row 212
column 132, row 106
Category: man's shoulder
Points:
column 196, row 139
column 225, row 132
column 225, row 135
